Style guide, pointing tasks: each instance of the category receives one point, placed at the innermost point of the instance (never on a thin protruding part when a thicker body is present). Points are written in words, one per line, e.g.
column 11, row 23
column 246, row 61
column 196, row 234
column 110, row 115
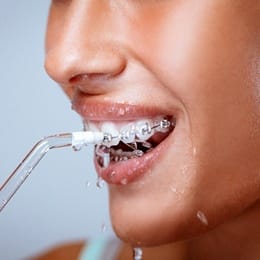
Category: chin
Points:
column 144, row 222
column 144, row 229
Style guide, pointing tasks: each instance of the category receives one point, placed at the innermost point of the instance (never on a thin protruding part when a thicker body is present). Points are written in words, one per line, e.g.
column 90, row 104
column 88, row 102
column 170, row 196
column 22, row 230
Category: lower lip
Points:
column 124, row 172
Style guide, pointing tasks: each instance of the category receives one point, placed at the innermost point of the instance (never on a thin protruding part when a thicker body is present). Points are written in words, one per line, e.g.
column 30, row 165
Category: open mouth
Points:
column 130, row 140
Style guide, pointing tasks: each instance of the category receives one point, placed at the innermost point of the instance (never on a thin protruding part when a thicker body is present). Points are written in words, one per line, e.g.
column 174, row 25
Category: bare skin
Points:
column 198, row 61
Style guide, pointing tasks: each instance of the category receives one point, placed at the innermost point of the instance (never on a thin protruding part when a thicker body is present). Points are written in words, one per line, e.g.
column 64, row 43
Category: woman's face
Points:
column 195, row 61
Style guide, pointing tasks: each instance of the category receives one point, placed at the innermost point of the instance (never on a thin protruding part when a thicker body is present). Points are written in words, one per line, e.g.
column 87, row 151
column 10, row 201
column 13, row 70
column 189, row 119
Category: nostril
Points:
column 84, row 78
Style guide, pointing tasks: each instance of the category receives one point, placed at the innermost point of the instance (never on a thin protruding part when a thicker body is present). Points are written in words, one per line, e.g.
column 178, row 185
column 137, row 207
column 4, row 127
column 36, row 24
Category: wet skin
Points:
column 198, row 61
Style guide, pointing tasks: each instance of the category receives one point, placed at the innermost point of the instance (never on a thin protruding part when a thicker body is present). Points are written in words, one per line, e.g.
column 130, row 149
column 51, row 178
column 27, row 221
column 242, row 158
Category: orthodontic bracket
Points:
column 139, row 132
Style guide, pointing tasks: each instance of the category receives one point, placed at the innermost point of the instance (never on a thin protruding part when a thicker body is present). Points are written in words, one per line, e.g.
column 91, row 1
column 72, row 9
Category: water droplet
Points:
column 85, row 125
column 202, row 217
column 112, row 174
column 88, row 184
column 124, row 181
column 138, row 253
column 106, row 160
column 103, row 228
column 173, row 189
column 100, row 183
column 103, row 153
column 121, row 112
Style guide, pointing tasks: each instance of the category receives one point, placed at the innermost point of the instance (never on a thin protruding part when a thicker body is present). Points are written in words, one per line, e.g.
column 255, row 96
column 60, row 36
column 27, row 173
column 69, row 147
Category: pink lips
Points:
column 93, row 109
column 122, row 172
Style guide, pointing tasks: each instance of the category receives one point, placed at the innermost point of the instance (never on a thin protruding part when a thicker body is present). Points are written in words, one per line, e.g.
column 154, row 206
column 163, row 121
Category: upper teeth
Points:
column 109, row 127
column 129, row 132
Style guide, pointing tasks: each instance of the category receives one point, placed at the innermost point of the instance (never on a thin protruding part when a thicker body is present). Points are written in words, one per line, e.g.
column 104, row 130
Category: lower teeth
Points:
column 105, row 155
column 123, row 156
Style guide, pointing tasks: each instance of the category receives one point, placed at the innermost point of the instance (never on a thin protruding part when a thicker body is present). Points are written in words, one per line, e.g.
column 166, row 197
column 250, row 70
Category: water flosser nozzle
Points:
column 76, row 140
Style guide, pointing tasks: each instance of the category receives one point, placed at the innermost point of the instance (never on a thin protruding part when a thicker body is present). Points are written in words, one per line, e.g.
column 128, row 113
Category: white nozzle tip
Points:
column 86, row 137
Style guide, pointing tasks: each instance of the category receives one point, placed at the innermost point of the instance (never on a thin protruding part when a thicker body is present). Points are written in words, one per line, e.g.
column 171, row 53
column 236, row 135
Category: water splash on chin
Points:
column 137, row 253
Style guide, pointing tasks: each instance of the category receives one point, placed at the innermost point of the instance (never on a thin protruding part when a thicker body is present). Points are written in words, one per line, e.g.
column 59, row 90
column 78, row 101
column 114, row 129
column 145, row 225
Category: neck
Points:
column 239, row 239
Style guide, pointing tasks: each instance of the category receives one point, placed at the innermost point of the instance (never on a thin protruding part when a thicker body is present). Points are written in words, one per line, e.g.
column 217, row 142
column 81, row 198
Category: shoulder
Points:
column 66, row 251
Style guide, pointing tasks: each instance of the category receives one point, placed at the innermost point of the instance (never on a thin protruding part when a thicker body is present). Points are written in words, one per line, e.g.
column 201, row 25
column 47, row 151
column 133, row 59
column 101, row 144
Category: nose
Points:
column 82, row 44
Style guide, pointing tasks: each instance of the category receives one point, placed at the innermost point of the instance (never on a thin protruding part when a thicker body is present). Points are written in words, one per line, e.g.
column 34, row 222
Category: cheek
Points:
column 210, row 63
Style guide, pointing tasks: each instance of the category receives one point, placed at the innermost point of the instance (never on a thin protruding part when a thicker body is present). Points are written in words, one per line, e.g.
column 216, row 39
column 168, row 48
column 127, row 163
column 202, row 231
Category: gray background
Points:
column 55, row 204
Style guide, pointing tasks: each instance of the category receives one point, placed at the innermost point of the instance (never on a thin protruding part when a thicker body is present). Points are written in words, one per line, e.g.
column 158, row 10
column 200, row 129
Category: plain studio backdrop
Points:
column 59, row 202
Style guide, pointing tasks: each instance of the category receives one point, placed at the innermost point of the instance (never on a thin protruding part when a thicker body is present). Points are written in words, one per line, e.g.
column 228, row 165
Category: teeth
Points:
column 120, row 155
column 164, row 125
column 134, row 135
column 129, row 132
column 144, row 130
column 109, row 127
column 105, row 157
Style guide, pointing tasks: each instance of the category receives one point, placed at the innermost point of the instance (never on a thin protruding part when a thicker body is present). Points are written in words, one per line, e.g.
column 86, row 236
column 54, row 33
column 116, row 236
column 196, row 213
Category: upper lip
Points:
column 93, row 109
